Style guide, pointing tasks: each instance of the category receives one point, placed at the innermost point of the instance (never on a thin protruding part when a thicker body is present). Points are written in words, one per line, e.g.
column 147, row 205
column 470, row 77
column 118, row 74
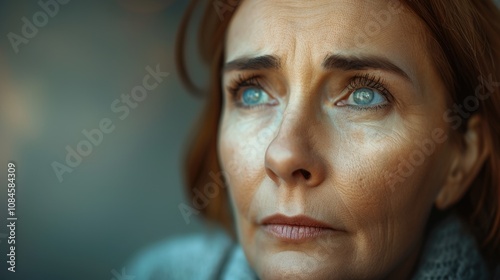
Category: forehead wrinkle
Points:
column 262, row 29
column 297, row 63
column 281, row 20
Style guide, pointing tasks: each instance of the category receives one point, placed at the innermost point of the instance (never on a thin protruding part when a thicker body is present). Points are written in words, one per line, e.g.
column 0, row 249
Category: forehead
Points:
column 317, row 28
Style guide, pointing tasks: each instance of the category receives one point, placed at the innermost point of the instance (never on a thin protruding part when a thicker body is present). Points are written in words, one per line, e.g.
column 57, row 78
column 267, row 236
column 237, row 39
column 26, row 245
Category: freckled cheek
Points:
column 242, row 155
column 366, row 177
column 383, row 207
column 380, row 216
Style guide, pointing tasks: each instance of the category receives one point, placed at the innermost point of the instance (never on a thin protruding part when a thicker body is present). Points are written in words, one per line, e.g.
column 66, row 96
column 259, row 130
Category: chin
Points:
column 297, row 265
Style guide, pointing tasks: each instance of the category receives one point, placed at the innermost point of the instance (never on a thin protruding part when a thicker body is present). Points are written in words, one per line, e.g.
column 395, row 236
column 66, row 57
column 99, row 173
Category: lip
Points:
column 296, row 228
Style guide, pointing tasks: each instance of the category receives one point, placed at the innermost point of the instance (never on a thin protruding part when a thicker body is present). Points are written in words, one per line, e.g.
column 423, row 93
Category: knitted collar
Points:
column 450, row 252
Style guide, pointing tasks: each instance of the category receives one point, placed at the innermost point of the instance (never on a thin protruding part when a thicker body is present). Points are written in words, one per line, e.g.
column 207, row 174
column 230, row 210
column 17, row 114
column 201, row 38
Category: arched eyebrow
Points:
column 349, row 63
column 331, row 62
column 265, row 62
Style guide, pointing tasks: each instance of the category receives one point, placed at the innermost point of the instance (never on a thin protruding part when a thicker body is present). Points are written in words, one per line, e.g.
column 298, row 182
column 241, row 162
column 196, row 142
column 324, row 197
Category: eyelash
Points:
column 358, row 81
column 235, row 87
column 369, row 81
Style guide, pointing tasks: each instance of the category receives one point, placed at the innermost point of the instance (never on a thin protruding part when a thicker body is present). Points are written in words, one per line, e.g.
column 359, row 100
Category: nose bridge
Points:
column 300, row 111
column 294, row 120
column 290, row 158
column 293, row 131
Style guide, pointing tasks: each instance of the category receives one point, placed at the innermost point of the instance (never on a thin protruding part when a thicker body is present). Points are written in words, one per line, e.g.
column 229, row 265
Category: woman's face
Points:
column 332, row 137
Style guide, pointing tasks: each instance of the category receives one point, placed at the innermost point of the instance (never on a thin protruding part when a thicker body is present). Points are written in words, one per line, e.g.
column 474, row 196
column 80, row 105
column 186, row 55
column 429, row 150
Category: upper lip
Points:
column 300, row 220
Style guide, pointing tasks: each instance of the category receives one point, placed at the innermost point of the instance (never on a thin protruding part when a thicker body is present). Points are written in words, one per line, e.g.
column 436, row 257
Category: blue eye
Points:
column 366, row 97
column 254, row 96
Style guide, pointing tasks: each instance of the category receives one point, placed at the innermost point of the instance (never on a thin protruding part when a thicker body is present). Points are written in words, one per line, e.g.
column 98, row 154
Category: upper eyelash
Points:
column 370, row 81
column 358, row 81
column 243, row 82
column 235, row 86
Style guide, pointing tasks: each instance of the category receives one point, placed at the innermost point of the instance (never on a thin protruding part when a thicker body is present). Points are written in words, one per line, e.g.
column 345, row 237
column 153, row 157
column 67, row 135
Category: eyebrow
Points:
column 265, row 62
column 331, row 62
column 349, row 63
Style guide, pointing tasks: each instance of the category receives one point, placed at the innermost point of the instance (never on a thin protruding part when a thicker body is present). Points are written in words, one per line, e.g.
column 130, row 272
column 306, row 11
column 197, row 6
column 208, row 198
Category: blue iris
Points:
column 252, row 96
column 366, row 97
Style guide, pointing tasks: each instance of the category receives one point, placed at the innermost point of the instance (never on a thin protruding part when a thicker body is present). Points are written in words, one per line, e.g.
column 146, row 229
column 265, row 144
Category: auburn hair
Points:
column 464, row 41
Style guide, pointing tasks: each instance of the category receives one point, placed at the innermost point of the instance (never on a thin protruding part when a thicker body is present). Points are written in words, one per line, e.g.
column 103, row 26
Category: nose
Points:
column 292, row 158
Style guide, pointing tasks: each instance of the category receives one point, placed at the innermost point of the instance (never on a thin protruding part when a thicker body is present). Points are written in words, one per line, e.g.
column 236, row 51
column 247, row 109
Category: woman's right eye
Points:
column 248, row 93
column 252, row 96
column 366, row 97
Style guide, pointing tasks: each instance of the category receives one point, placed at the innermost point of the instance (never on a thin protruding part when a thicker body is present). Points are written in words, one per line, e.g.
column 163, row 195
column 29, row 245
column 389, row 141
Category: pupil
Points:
column 251, row 96
column 363, row 96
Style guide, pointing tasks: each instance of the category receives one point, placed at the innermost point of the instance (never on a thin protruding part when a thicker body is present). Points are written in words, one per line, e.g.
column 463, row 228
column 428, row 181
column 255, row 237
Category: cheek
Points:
column 371, row 184
column 242, row 147
column 386, row 183
column 387, row 160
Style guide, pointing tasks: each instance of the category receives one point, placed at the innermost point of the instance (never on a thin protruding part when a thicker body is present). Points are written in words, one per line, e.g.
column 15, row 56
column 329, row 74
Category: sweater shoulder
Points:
column 195, row 256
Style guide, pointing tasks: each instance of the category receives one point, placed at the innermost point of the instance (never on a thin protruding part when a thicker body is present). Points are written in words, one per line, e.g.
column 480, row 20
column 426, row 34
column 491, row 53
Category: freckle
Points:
column 358, row 135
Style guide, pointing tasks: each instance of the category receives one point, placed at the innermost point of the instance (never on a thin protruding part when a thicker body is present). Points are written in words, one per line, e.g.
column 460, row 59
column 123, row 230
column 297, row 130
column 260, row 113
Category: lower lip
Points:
column 296, row 233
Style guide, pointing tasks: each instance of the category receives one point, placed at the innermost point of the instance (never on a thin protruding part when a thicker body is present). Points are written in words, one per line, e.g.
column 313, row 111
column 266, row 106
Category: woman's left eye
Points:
column 253, row 96
column 366, row 97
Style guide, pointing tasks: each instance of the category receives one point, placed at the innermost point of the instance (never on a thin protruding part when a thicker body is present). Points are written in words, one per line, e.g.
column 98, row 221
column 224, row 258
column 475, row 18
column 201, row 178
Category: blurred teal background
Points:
column 124, row 196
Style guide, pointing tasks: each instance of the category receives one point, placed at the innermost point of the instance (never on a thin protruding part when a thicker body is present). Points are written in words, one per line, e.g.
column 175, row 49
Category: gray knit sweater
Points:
column 449, row 253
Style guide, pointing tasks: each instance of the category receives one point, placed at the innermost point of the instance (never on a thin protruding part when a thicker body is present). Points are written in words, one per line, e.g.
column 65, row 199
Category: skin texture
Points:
column 304, row 152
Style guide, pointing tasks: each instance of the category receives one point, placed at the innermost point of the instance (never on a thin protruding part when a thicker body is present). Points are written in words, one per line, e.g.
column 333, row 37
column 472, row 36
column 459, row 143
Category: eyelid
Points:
column 243, row 81
column 377, row 84
column 237, row 86
column 369, row 81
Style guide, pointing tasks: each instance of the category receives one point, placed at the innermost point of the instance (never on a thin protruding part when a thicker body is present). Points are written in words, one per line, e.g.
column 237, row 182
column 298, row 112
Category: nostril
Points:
column 305, row 173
